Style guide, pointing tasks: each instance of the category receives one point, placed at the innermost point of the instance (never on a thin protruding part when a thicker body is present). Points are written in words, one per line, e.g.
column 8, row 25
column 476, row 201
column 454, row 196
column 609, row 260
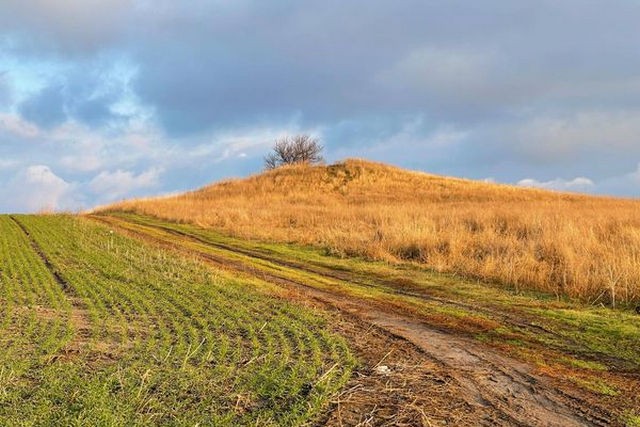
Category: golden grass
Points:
column 566, row 244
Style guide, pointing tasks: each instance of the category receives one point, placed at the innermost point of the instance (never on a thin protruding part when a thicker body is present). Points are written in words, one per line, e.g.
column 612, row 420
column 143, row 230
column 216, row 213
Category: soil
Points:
column 412, row 373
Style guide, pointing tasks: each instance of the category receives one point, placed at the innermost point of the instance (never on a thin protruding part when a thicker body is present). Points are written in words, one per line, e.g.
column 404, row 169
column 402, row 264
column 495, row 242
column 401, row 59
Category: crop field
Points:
column 585, row 350
column 101, row 329
column 124, row 319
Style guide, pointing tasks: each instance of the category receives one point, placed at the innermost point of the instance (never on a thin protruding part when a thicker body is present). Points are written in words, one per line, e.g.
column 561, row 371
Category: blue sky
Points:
column 102, row 100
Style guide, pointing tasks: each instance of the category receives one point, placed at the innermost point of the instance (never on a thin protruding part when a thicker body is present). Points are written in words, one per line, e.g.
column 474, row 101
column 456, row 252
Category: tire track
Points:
column 79, row 315
column 489, row 381
column 391, row 286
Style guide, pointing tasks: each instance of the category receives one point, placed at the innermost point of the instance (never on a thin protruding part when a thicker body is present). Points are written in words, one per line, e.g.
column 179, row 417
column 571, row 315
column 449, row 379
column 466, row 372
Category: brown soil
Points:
column 495, row 390
column 395, row 384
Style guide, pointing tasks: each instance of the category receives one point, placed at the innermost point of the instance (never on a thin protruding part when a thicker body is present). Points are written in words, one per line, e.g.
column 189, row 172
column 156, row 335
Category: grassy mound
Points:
column 560, row 243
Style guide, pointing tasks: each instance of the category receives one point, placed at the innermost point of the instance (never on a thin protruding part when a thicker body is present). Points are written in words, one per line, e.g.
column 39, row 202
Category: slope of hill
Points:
column 565, row 244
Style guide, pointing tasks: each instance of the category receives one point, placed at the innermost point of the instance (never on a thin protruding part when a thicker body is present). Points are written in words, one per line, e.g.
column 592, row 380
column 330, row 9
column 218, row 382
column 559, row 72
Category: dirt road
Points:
column 412, row 373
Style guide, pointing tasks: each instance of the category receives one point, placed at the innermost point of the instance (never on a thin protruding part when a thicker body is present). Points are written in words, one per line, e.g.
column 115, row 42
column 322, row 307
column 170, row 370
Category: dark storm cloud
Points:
column 212, row 63
column 458, row 61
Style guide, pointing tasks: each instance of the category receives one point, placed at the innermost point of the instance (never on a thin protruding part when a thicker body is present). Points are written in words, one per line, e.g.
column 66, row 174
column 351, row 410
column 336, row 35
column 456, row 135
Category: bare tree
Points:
column 294, row 149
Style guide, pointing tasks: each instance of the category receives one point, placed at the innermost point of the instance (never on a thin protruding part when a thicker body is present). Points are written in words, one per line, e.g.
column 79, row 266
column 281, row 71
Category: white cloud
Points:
column 626, row 184
column 576, row 184
column 81, row 162
column 17, row 126
column 113, row 185
column 38, row 188
column 243, row 143
column 8, row 164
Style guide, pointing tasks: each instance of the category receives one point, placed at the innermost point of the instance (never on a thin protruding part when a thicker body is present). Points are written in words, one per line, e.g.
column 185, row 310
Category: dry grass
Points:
column 566, row 244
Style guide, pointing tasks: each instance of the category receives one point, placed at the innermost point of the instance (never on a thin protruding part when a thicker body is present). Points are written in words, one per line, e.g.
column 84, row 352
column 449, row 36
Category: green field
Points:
column 489, row 313
column 101, row 329
column 590, row 349
column 130, row 320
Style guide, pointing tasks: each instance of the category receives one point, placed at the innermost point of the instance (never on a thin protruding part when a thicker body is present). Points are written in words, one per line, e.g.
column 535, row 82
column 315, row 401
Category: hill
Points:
column 583, row 247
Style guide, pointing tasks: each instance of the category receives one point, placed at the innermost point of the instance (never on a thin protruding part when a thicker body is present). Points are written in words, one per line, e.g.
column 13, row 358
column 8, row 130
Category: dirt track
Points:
column 438, row 377
column 79, row 315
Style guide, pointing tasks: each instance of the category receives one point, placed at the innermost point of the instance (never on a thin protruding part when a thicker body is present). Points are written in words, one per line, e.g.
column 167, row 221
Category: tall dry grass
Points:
column 566, row 244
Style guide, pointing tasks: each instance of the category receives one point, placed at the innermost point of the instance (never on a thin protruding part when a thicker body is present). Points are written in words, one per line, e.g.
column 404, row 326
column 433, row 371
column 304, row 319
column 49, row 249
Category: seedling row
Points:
column 116, row 332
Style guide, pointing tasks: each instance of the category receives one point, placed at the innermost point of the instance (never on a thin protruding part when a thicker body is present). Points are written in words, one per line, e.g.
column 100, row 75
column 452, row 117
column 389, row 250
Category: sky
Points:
column 102, row 100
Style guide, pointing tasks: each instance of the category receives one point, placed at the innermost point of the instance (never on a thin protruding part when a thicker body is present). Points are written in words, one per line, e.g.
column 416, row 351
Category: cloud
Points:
column 442, row 72
column 5, row 90
column 594, row 143
column 17, row 126
column 199, row 69
column 240, row 143
column 81, row 161
column 412, row 141
column 94, row 93
column 198, row 91
column 554, row 138
column 38, row 188
column 72, row 27
column 7, row 163
column 45, row 108
column 624, row 185
column 110, row 186
column 580, row 184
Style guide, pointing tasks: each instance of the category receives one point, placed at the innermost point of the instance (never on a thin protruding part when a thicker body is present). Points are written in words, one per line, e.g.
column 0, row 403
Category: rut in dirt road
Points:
column 79, row 315
column 488, row 379
column 491, row 382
